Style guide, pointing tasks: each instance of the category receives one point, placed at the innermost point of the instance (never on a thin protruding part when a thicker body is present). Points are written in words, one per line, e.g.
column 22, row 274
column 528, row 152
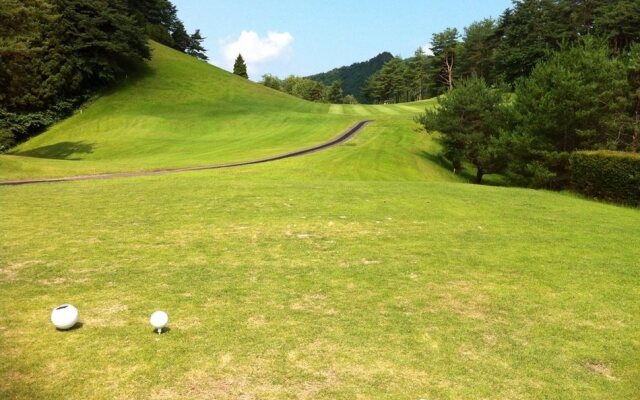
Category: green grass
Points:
column 181, row 112
column 362, row 271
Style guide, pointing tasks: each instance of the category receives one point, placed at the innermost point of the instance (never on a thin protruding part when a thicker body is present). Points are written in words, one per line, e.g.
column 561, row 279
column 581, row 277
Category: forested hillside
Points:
column 354, row 76
column 507, row 49
column 54, row 54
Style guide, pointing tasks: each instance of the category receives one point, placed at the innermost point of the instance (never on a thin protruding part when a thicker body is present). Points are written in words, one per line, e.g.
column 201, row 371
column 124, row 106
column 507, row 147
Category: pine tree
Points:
column 181, row 39
column 195, row 48
column 240, row 68
column 418, row 69
column 334, row 95
column 444, row 46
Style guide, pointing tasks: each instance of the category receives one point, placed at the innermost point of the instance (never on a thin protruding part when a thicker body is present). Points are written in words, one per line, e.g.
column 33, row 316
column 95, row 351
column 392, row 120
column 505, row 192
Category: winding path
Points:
column 340, row 139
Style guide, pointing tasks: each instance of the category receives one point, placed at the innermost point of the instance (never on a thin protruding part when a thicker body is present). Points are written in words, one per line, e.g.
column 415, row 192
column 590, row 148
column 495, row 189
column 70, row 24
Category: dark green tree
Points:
column 94, row 43
column 633, row 72
column 444, row 46
column 240, row 68
column 180, row 37
column 477, row 52
column 55, row 53
column 419, row 74
column 577, row 100
column 529, row 33
column 390, row 83
column 195, row 48
column 469, row 119
column 334, row 94
column 619, row 22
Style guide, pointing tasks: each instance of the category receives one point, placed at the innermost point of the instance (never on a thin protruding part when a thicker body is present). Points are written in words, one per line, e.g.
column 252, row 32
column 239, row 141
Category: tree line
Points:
column 585, row 96
column 54, row 54
column 521, row 94
column 309, row 89
column 503, row 51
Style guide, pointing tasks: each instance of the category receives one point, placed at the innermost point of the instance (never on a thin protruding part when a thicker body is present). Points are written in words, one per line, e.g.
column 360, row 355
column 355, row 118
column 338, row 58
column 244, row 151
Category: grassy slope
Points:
column 181, row 112
column 356, row 272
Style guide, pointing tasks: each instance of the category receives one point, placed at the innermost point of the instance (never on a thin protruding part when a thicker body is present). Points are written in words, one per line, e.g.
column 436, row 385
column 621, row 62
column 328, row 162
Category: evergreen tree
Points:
column 469, row 118
column 444, row 46
column 390, row 83
column 619, row 22
column 419, row 73
column 334, row 95
column 180, row 37
column 528, row 34
column 477, row 51
column 240, row 68
column 633, row 73
column 577, row 100
column 194, row 47
column 54, row 53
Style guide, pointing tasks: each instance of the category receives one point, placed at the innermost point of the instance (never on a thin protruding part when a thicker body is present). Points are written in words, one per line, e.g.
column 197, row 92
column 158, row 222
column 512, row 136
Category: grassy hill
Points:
column 362, row 271
column 181, row 112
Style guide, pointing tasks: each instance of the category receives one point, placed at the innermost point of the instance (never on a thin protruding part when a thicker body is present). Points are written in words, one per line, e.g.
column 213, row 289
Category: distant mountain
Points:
column 354, row 76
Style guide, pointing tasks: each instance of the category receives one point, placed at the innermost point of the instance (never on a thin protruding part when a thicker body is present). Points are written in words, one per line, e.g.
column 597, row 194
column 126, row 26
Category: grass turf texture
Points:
column 364, row 271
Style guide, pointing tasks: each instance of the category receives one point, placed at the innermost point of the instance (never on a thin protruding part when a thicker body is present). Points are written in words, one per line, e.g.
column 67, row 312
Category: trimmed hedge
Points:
column 607, row 175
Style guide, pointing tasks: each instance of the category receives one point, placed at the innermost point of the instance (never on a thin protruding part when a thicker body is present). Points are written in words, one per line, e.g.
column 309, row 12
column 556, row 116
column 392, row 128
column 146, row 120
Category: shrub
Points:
column 607, row 175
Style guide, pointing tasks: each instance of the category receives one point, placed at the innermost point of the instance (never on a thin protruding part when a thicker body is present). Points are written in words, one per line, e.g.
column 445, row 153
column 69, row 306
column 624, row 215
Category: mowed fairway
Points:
column 363, row 271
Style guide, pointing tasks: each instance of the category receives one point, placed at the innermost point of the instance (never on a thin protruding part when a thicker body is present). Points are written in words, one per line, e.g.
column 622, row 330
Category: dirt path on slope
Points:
column 340, row 139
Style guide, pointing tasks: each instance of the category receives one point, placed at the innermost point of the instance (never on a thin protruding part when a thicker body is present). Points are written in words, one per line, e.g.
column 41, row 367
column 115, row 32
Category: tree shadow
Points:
column 467, row 172
column 59, row 151
column 438, row 160
column 136, row 72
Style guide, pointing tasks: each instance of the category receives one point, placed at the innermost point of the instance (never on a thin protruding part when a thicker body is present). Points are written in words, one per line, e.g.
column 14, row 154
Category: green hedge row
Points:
column 607, row 175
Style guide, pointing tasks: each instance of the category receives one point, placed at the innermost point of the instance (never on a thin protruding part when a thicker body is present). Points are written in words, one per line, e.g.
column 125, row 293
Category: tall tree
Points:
column 180, row 37
column 619, row 22
column 419, row 73
column 390, row 83
column 469, row 118
column 240, row 68
column 577, row 100
column 23, row 48
column 444, row 46
column 195, row 48
column 55, row 52
column 334, row 94
column 633, row 73
column 477, row 51
column 529, row 33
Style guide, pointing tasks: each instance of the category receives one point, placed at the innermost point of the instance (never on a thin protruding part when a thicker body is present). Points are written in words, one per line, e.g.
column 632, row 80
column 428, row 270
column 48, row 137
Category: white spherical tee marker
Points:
column 159, row 320
column 64, row 317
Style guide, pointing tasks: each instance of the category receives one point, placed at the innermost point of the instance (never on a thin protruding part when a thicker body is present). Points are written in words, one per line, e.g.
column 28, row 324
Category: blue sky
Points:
column 303, row 37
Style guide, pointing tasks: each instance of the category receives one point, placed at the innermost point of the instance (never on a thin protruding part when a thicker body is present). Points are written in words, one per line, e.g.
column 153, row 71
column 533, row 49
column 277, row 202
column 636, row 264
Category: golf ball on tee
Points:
column 159, row 320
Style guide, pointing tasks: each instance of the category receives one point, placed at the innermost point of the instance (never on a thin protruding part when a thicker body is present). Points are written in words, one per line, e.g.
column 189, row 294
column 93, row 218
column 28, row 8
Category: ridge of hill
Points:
column 354, row 76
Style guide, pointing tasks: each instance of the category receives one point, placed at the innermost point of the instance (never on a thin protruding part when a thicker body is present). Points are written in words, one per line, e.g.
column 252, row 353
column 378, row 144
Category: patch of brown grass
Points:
column 601, row 369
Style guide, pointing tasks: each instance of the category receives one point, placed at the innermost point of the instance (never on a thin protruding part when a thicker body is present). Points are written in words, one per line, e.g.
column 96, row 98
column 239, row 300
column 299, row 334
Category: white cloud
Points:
column 256, row 50
column 427, row 49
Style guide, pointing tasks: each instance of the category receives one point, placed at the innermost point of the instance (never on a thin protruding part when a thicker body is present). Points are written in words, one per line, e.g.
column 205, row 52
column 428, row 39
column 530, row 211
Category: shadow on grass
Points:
column 59, row 151
column 439, row 160
column 136, row 72
column 77, row 326
column 467, row 173
column 164, row 330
